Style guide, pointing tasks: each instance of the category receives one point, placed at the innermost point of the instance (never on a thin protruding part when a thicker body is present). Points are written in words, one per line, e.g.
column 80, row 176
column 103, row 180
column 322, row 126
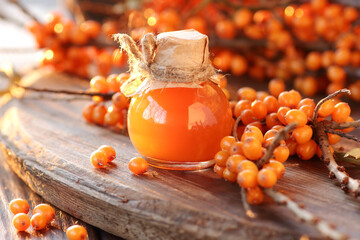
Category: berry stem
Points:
column 23, row 9
column 322, row 101
column 342, row 134
column 333, row 125
column 324, row 228
column 246, row 204
column 281, row 135
column 336, row 171
column 105, row 96
column 235, row 128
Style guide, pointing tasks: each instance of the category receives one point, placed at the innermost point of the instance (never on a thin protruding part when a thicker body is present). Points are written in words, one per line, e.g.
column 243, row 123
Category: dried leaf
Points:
column 355, row 153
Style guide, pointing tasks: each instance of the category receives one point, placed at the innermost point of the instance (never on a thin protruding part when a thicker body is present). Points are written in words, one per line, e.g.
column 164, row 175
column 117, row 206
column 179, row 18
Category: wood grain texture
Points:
column 48, row 145
column 11, row 187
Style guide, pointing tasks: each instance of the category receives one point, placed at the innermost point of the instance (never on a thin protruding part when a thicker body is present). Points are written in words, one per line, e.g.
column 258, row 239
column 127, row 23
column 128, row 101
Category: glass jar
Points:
column 177, row 115
column 180, row 128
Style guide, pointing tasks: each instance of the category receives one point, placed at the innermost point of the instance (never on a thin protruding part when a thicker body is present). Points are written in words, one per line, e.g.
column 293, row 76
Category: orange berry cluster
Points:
column 262, row 116
column 292, row 42
column 105, row 154
column 113, row 116
column 68, row 46
column 102, row 156
column 43, row 214
column 236, row 162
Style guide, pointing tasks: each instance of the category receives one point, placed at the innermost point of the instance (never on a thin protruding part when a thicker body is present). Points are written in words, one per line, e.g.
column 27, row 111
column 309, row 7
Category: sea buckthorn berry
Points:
column 247, row 93
column 341, row 112
column 38, row 221
column 98, row 115
column 19, row 206
column 281, row 153
column 46, row 210
column 276, row 86
column 233, row 161
column 307, row 150
column 241, row 106
column 225, row 29
column 242, row 18
column 247, row 165
column 313, row 61
column 257, row 124
column 248, row 116
column 271, row 103
column 291, row 145
column 21, row 221
column 327, row 108
column 226, row 142
column 347, row 130
column 342, row 57
column 270, row 133
column 333, row 138
column 99, row 159
column 302, row 134
column 254, row 195
column 236, row 148
column 306, row 102
column 282, row 111
column 336, row 74
column 221, row 157
column 278, row 168
column 99, row 84
column 296, row 116
column 266, row 178
column 88, row 112
column 288, row 99
column 219, row 170
column 272, row 120
column 109, row 152
column 120, row 100
column 259, row 109
column 308, row 110
column 229, row 176
column 247, row 179
column 113, row 117
column 239, row 65
column 252, row 131
column 261, row 95
column 138, row 165
column 76, row 232
column 113, row 83
column 252, row 148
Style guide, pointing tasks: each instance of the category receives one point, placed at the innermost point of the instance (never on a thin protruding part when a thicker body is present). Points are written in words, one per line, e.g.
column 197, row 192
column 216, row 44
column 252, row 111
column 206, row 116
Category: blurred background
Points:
column 312, row 45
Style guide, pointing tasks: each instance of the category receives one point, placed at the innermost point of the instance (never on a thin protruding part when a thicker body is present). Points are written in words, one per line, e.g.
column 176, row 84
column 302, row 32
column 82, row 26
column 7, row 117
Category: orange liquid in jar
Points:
column 180, row 124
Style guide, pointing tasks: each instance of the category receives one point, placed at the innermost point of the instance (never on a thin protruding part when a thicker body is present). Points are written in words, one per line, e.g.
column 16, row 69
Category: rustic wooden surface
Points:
column 11, row 186
column 47, row 144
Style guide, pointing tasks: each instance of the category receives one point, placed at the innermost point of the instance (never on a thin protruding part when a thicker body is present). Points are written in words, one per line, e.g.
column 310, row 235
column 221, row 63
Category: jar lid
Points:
column 185, row 49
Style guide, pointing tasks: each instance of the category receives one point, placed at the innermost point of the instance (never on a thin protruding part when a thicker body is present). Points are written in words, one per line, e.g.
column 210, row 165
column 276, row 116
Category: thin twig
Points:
column 342, row 134
column 246, row 205
column 281, row 135
column 322, row 101
column 333, row 125
column 105, row 96
column 17, row 23
column 336, row 171
column 235, row 128
column 23, row 9
column 324, row 228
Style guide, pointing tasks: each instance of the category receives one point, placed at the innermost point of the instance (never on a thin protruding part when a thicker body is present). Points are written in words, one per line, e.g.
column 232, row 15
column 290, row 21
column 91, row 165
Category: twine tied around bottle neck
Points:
column 142, row 65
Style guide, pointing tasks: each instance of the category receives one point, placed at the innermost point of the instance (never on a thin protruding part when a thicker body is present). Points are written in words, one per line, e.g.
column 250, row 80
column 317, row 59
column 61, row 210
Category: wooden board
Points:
column 48, row 145
column 11, row 187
